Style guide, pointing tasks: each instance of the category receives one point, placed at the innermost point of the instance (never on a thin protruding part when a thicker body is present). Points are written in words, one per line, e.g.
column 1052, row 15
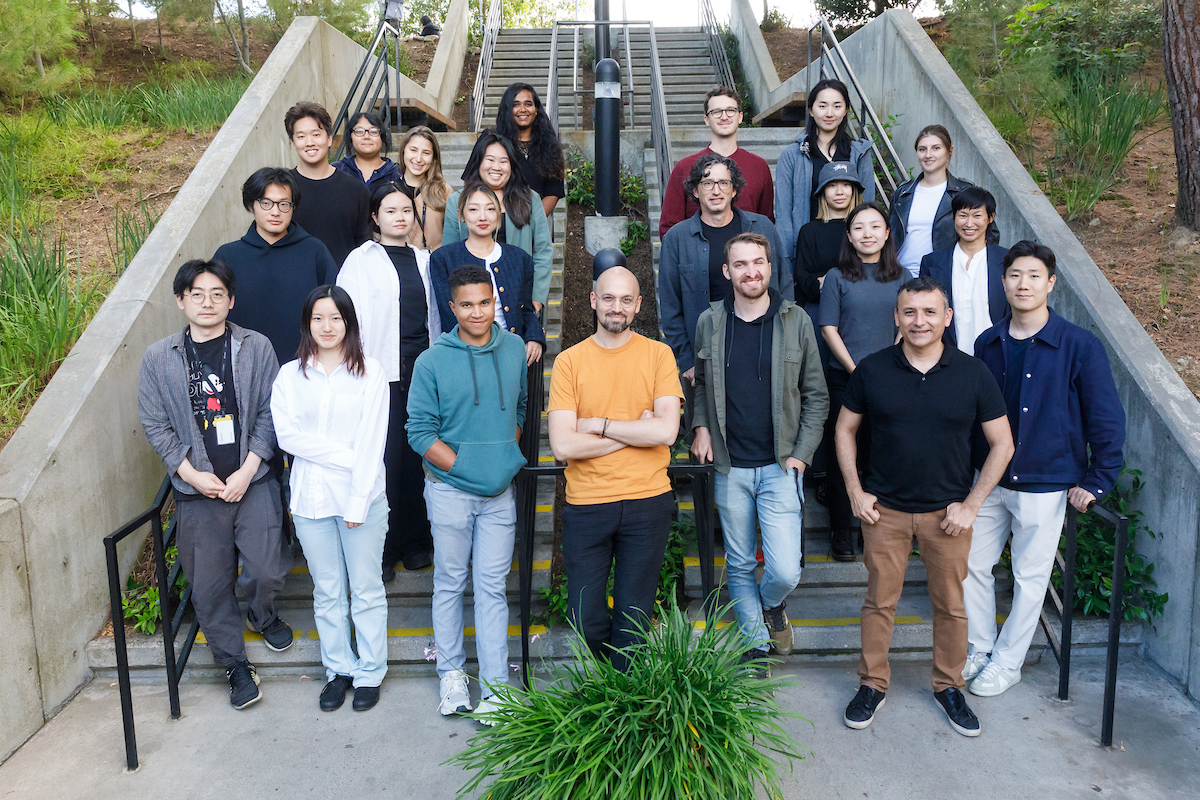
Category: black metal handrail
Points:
column 491, row 31
column 704, row 504
column 834, row 64
column 1065, row 604
column 716, row 46
column 365, row 95
column 171, row 618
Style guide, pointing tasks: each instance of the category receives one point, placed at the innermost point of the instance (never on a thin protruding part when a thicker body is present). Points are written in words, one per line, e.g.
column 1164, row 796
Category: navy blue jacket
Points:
column 1069, row 403
column 939, row 265
column 390, row 171
column 513, row 273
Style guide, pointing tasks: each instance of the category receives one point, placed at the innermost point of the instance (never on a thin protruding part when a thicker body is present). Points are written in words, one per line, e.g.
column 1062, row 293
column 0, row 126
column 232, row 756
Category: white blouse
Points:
column 335, row 427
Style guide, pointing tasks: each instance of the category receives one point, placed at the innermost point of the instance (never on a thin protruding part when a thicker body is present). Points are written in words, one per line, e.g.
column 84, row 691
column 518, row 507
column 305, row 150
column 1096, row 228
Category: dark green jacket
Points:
column 799, row 397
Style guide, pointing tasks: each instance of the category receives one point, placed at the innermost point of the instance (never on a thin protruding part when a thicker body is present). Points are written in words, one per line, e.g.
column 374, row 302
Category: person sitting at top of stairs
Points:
column 722, row 115
column 428, row 28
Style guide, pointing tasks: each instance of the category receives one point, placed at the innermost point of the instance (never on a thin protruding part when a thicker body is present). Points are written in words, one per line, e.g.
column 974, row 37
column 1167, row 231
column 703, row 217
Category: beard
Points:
column 616, row 326
column 762, row 289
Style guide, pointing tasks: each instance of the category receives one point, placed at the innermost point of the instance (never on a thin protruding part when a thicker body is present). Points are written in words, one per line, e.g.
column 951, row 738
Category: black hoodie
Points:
column 273, row 281
column 751, row 431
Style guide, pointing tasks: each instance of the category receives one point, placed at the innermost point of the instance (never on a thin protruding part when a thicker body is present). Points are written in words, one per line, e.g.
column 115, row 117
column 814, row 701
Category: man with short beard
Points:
column 761, row 403
column 614, row 414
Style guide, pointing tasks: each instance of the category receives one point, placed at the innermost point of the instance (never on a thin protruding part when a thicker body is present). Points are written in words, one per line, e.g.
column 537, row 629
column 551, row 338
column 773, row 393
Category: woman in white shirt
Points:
column 920, row 218
column 389, row 283
column 330, row 409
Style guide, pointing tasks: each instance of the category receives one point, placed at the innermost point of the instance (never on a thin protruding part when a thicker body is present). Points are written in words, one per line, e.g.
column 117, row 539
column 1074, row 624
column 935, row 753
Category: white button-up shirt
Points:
column 335, row 427
column 970, row 291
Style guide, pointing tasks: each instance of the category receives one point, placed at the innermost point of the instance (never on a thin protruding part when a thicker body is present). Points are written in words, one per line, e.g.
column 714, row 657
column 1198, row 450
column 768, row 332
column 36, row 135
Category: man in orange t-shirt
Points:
column 614, row 413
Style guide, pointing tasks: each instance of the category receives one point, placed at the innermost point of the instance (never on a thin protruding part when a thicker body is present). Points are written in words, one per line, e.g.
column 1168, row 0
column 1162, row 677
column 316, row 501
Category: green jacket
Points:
column 799, row 397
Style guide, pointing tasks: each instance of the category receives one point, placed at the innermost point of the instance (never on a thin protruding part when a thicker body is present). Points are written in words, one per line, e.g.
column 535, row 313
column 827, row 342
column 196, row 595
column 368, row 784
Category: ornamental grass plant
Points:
column 686, row 721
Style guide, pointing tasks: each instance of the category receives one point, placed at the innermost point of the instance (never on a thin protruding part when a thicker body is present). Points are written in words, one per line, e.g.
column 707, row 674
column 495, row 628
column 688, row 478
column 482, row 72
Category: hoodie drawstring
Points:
column 499, row 382
column 474, row 381
column 729, row 343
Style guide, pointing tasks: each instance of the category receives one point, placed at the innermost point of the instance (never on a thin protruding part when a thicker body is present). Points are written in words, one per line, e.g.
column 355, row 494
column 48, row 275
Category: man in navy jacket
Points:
column 971, row 269
column 1069, row 428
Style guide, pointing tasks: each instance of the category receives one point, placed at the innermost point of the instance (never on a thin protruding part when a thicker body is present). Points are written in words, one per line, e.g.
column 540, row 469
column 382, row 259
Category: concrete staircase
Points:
column 523, row 55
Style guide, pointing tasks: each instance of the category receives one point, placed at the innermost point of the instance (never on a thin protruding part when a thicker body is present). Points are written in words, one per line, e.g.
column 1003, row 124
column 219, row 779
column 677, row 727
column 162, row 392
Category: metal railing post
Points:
column 1116, row 615
column 552, row 79
column 122, row 653
column 1068, row 603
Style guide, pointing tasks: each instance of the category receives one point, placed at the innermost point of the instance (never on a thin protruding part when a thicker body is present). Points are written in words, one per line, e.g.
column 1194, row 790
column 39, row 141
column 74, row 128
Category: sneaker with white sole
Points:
column 456, row 699
column 487, row 705
column 975, row 664
column 994, row 679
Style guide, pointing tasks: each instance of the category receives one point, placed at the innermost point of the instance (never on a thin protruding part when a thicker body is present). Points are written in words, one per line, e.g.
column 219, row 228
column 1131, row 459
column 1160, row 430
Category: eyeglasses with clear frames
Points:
column 364, row 132
column 723, row 112
column 612, row 300
column 218, row 296
column 284, row 205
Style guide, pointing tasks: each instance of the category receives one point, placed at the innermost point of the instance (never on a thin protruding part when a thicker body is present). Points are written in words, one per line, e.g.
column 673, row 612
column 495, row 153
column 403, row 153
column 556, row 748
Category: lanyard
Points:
column 199, row 406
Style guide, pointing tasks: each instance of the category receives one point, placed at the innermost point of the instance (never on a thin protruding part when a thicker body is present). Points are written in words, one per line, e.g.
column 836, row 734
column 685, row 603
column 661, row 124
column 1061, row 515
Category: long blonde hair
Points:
column 435, row 190
column 823, row 209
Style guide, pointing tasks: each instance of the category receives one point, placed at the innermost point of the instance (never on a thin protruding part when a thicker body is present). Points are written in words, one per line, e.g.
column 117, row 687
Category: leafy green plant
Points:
column 140, row 601
column 1095, row 548
column 774, row 20
column 733, row 52
column 131, row 226
column 581, row 182
column 555, row 598
column 1105, row 35
column 685, row 721
column 637, row 232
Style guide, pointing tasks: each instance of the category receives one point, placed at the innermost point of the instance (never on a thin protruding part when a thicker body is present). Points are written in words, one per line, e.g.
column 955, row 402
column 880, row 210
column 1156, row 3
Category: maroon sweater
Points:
column 758, row 196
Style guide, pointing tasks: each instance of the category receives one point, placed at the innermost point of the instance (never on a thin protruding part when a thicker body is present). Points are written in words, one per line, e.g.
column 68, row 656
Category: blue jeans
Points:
column 471, row 535
column 342, row 559
column 772, row 498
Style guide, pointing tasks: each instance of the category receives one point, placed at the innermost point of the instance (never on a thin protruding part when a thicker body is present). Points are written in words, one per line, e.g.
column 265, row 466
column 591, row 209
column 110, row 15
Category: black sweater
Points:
column 336, row 210
column 817, row 249
column 273, row 281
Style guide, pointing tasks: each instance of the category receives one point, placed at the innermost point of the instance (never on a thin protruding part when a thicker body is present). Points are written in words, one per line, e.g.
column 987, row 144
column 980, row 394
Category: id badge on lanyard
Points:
column 224, row 426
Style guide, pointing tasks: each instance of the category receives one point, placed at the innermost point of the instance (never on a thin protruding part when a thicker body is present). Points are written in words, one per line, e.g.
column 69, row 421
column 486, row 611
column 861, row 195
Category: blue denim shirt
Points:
column 1069, row 403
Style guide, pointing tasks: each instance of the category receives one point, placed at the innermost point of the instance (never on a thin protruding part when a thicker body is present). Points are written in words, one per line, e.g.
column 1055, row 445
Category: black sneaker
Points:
column 334, row 693
column 389, row 573
column 861, row 711
column 961, row 717
column 841, row 544
column 278, row 635
column 243, row 685
column 822, row 491
column 418, row 559
column 365, row 697
column 756, row 663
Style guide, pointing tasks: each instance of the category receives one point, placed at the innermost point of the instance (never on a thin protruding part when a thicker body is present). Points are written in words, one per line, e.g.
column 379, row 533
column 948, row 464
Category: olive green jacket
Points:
column 799, row 397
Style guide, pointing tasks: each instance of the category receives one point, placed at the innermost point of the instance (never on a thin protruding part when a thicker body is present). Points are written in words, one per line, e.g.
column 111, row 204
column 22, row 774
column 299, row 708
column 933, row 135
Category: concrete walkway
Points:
column 285, row 747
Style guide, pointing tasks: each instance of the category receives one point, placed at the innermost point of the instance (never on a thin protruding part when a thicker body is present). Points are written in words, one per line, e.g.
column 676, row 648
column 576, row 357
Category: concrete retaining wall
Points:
column 446, row 70
column 757, row 65
column 80, row 466
column 903, row 73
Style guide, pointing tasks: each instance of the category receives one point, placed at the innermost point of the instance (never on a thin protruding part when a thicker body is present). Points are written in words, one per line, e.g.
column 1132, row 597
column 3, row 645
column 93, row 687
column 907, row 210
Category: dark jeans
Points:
column 633, row 533
column 212, row 534
column 408, row 520
column 840, row 515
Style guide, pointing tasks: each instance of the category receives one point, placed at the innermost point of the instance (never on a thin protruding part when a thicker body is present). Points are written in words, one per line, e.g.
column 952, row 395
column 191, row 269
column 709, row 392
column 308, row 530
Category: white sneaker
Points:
column 455, row 697
column 994, row 680
column 975, row 664
column 488, row 705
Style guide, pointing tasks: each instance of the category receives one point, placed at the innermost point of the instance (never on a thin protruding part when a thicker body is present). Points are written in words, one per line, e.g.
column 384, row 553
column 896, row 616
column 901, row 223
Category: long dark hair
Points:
column 545, row 151
column 518, row 198
column 851, row 264
column 382, row 191
column 352, row 352
column 841, row 138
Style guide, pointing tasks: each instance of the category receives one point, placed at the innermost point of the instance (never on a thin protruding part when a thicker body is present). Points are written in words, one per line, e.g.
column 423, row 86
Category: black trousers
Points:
column 408, row 520
column 629, row 536
column 840, row 515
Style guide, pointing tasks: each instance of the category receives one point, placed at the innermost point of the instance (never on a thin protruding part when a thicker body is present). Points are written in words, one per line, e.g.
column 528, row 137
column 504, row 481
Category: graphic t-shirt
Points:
column 214, row 401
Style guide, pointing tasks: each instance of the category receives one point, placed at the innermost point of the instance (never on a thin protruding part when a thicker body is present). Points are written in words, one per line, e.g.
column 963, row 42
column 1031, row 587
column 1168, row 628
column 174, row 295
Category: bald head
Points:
column 616, row 299
column 626, row 282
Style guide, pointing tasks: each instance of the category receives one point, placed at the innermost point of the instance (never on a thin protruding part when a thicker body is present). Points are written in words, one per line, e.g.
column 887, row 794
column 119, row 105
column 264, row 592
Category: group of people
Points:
column 942, row 400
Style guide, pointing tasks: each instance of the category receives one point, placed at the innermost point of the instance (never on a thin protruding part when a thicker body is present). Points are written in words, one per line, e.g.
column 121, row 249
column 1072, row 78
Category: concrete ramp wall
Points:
column 80, row 465
column 903, row 73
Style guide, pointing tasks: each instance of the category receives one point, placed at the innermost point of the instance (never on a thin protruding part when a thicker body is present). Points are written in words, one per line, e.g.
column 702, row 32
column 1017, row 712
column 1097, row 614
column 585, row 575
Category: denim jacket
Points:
column 1069, row 404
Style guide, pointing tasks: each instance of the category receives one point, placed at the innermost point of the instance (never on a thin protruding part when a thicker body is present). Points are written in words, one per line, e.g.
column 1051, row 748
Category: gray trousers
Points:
column 212, row 534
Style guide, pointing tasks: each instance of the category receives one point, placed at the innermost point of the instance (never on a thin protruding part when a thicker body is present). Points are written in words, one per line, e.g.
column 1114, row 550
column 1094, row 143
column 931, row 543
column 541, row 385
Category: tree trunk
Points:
column 132, row 23
column 41, row 68
column 1181, row 58
column 242, row 58
column 245, row 35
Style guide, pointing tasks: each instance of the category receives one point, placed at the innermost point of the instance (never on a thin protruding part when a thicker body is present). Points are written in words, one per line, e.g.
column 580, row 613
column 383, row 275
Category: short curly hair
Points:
column 706, row 162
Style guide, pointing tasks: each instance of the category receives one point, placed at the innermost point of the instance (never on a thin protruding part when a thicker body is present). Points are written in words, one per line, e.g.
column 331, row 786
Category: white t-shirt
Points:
column 918, row 235
column 492, row 258
column 969, row 288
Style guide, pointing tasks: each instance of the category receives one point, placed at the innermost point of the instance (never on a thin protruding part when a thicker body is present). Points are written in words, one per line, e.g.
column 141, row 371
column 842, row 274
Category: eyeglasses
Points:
column 218, row 296
column 724, row 184
column 722, row 112
column 364, row 132
column 610, row 300
column 284, row 205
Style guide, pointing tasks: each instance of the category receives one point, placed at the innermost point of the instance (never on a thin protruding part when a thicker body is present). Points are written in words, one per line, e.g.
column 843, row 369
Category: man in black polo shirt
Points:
column 921, row 401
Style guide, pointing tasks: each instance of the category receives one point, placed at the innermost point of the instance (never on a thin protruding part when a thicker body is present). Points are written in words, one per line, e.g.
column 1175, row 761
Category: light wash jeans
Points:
column 471, row 535
column 342, row 559
column 772, row 498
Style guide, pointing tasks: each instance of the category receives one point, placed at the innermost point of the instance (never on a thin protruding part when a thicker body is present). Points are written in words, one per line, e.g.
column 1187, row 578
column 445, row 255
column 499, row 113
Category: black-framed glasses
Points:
column 722, row 112
column 284, row 205
column 362, row 132
column 724, row 184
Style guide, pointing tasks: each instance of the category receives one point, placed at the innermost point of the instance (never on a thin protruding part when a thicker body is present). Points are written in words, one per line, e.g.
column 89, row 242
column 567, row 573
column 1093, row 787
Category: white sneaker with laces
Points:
column 994, row 680
column 487, row 705
column 456, row 699
column 975, row 664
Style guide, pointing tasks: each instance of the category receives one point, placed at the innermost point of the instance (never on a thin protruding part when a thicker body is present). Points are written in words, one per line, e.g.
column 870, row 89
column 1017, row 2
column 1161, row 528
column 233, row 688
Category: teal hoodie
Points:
column 473, row 399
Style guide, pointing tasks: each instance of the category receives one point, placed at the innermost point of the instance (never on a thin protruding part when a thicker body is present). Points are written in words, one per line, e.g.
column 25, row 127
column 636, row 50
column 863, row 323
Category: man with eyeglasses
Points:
column 691, row 263
column 338, row 212
column 722, row 115
column 277, row 262
column 615, row 436
column 204, row 397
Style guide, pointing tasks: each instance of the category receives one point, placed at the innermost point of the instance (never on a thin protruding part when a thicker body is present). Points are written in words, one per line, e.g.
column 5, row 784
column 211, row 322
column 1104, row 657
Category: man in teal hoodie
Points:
column 466, row 406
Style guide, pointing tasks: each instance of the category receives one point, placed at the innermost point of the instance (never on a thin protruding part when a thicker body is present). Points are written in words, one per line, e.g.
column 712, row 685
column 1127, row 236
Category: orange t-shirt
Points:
column 618, row 383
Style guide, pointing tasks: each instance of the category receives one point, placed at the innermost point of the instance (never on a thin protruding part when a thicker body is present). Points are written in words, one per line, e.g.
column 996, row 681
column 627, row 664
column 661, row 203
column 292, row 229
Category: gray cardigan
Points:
column 166, row 410
column 683, row 279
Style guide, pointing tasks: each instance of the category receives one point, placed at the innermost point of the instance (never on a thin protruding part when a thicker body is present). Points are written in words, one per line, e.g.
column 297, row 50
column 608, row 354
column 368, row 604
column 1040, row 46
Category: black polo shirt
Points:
column 920, row 424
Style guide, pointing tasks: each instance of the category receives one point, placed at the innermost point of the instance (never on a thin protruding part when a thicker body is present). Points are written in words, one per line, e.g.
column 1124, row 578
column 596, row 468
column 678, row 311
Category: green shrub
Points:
column 1111, row 36
column 685, row 721
column 581, row 182
column 774, row 20
column 193, row 104
column 131, row 226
